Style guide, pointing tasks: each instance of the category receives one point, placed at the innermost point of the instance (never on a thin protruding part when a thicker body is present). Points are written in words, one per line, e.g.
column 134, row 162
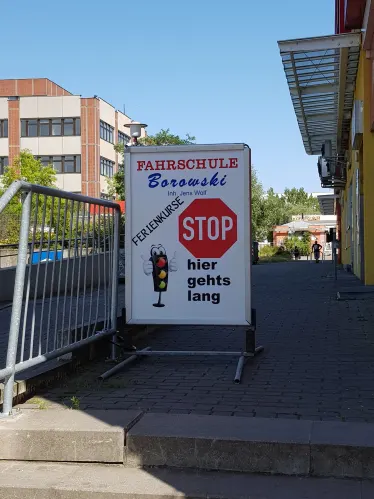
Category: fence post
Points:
column 115, row 278
column 17, row 303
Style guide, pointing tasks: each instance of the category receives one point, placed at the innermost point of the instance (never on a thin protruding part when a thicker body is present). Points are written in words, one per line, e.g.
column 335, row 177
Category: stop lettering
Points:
column 212, row 228
column 207, row 228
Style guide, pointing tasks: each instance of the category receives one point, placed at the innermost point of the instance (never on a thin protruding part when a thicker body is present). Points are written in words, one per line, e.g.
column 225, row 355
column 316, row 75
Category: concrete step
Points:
column 186, row 441
column 252, row 445
column 30, row 480
column 66, row 435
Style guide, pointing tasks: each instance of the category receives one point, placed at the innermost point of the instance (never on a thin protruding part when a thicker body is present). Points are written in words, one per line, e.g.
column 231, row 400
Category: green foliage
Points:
column 257, row 200
column 25, row 167
column 116, row 185
column 302, row 242
column 268, row 251
column 75, row 403
column 165, row 138
column 277, row 258
column 274, row 254
column 271, row 209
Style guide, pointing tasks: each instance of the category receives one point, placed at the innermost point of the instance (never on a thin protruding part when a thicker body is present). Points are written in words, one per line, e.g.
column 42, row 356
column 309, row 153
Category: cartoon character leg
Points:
column 159, row 304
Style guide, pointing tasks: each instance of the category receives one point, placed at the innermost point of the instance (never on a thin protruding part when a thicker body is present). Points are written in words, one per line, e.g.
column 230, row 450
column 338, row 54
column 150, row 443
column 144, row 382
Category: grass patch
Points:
column 41, row 403
column 75, row 403
column 284, row 257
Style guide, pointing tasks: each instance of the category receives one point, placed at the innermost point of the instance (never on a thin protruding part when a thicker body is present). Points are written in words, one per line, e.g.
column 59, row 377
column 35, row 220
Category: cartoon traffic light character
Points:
column 159, row 266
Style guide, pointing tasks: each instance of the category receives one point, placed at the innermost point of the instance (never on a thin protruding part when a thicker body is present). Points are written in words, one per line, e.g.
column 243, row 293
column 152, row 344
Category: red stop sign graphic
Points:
column 208, row 228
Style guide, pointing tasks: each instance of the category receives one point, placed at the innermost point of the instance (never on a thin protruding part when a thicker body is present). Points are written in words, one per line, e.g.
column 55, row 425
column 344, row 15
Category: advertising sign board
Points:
column 188, row 255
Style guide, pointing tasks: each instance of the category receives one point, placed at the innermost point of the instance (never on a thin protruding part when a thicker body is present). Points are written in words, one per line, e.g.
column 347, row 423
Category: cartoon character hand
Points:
column 173, row 266
column 147, row 265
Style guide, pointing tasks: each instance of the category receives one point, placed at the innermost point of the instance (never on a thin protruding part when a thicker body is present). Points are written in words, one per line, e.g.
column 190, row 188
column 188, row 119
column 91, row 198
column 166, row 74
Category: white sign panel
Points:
column 188, row 234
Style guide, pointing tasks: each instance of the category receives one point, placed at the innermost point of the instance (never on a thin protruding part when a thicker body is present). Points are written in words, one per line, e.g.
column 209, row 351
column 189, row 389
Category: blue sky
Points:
column 210, row 68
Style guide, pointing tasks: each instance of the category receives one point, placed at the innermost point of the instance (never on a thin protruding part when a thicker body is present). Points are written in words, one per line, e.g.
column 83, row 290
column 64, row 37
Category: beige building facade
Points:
column 75, row 134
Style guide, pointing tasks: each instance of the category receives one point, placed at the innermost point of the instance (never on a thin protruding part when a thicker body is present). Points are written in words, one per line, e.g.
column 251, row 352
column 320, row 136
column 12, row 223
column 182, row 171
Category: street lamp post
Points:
column 135, row 131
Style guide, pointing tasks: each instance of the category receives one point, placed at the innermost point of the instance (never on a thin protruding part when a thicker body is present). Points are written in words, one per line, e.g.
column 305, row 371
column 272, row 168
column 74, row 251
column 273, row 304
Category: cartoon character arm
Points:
column 173, row 265
column 147, row 265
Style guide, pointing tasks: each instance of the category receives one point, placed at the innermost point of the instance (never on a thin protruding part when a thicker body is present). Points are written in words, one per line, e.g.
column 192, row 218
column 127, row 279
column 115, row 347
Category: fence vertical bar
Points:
column 45, row 276
column 59, row 279
column 115, row 277
column 93, row 254
column 17, row 303
column 71, row 215
column 53, row 271
column 72, row 276
column 106, row 279
column 27, row 300
column 98, row 270
column 33, row 320
column 85, row 271
column 80, row 256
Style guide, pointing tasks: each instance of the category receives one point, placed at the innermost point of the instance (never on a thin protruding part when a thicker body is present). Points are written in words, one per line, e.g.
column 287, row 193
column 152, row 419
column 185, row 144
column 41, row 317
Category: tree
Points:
column 279, row 209
column 26, row 167
column 116, row 185
column 300, row 202
column 165, row 138
column 302, row 242
column 257, row 199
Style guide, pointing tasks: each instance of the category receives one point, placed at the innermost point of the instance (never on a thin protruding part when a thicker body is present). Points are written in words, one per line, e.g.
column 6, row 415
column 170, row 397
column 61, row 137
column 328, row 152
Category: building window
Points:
column 123, row 138
column 62, row 164
column 106, row 132
column 3, row 164
column 3, row 128
column 106, row 167
column 54, row 127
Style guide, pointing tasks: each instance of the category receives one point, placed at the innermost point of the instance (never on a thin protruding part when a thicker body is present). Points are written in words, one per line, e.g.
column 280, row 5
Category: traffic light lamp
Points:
column 160, row 272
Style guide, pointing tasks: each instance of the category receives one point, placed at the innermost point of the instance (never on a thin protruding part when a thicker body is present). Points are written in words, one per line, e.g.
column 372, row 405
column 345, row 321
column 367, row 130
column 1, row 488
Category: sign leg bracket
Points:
column 128, row 349
column 250, row 346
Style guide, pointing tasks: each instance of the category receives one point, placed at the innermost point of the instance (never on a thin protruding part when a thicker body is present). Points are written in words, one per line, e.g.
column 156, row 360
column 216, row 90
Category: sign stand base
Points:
column 250, row 351
column 250, row 346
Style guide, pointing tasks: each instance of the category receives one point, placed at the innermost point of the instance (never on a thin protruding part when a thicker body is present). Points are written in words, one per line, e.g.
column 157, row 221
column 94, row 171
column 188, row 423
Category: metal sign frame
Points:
column 249, row 344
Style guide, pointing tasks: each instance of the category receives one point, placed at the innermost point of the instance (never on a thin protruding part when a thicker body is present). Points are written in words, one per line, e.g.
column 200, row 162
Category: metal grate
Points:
column 321, row 74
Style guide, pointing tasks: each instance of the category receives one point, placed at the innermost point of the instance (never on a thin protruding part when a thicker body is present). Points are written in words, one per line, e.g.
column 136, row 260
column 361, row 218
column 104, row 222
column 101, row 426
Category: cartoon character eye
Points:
column 161, row 250
column 155, row 251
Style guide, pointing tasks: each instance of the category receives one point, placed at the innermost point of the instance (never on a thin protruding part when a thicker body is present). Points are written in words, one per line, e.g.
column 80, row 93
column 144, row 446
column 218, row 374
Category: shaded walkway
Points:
column 318, row 361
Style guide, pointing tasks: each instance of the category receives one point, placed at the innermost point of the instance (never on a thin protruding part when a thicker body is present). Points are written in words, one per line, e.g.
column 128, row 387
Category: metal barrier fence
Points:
column 69, row 286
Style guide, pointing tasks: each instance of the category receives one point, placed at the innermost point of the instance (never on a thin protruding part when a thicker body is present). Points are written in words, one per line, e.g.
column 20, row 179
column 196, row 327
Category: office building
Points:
column 75, row 134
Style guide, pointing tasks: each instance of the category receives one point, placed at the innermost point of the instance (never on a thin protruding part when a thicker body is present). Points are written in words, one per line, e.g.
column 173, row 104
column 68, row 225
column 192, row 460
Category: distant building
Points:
column 318, row 226
column 73, row 133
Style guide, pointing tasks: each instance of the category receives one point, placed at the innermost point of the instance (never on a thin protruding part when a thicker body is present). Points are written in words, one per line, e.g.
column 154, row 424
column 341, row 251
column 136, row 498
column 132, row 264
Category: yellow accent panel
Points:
column 349, row 233
column 363, row 160
column 368, row 176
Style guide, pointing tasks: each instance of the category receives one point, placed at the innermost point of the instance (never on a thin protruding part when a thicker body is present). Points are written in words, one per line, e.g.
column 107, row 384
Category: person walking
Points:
column 296, row 253
column 316, row 250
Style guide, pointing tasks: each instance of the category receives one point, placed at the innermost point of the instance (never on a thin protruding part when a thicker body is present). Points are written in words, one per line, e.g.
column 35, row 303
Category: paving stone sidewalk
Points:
column 318, row 361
